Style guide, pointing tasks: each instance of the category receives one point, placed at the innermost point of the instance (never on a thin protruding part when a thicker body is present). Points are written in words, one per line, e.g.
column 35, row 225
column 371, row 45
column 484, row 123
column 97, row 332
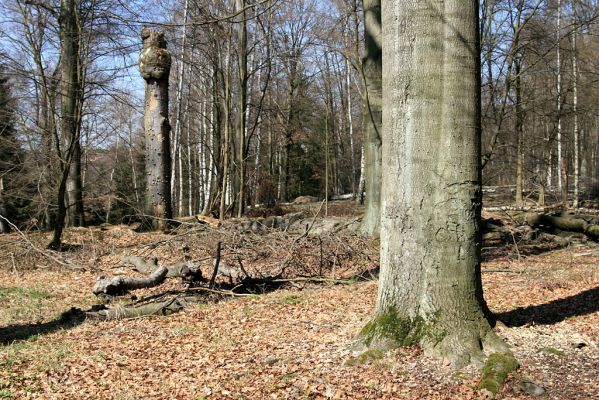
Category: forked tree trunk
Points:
column 154, row 66
column 430, row 289
column 372, row 115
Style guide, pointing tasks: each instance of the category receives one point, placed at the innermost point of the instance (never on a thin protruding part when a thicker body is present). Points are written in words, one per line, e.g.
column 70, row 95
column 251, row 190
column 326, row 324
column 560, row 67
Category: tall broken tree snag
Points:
column 155, row 66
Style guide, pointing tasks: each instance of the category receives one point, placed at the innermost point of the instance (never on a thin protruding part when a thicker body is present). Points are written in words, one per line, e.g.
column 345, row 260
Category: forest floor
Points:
column 291, row 343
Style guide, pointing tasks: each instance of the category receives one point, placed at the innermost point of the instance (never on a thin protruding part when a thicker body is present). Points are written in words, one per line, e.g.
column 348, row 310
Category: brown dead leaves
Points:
column 290, row 344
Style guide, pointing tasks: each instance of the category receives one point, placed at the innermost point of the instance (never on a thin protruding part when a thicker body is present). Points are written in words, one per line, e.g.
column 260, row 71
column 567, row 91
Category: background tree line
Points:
column 266, row 104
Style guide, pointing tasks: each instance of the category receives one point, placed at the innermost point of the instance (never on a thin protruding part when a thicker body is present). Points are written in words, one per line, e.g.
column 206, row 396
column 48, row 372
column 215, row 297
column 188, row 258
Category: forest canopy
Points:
column 277, row 88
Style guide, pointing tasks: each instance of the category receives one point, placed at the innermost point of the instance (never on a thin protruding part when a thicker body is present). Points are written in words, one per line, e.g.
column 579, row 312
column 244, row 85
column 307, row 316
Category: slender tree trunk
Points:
column 372, row 115
column 133, row 169
column 177, row 133
column 560, row 176
column 75, row 189
column 362, row 182
column 519, row 135
column 190, row 165
column 111, row 181
column 154, row 66
column 212, row 150
column 69, row 92
column 575, row 116
column 75, row 210
column 243, row 83
column 430, row 289
column 4, row 226
column 227, row 140
column 350, row 126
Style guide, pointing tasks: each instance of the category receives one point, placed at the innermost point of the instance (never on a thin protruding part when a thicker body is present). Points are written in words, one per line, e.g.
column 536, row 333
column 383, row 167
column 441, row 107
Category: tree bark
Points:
column 519, row 135
column 154, row 66
column 226, row 142
column 4, row 225
column 74, row 190
column 176, row 151
column 372, row 115
column 70, row 94
column 560, row 175
column 569, row 223
column 575, row 116
column 69, row 54
column 430, row 289
column 243, row 84
column 122, row 284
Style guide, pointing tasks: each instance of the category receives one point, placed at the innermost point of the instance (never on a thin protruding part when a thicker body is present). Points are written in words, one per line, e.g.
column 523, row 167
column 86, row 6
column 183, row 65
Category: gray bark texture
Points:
column 76, row 214
column 69, row 87
column 70, row 93
column 122, row 284
column 243, row 85
column 154, row 66
column 430, row 289
column 572, row 223
column 372, row 119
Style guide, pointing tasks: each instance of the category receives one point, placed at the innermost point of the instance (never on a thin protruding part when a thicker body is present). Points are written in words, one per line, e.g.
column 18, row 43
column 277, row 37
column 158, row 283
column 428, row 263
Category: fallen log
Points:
column 167, row 307
column 185, row 270
column 591, row 219
column 569, row 223
column 121, row 284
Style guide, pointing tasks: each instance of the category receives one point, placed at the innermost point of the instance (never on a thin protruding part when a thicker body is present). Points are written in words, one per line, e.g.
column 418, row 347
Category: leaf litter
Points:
column 288, row 344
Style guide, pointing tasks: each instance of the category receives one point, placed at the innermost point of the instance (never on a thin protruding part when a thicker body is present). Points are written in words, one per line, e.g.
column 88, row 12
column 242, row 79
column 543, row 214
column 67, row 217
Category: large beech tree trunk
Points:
column 372, row 115
column 430, row 289
column 154, row 66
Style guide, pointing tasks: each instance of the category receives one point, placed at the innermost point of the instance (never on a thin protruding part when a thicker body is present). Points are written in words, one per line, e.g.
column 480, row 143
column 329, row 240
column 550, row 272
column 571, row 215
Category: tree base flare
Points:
column 460, row 345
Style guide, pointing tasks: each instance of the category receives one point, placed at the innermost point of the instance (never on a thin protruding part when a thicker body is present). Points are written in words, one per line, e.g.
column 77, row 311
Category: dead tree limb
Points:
column 167, row 307
column 119, row 285
column 184, row 270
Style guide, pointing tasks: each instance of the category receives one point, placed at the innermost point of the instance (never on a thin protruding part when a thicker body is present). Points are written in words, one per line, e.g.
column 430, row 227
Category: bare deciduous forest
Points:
column 251, row 199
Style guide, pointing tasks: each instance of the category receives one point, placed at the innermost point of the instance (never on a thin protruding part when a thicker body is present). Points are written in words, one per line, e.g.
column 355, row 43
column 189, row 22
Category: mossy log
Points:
column 566, row 223
column 496, row 370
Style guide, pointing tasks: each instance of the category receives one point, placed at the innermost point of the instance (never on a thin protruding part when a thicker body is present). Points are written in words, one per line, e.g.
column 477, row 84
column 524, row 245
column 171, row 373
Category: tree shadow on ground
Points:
column 68, row 319
column 555, row 311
